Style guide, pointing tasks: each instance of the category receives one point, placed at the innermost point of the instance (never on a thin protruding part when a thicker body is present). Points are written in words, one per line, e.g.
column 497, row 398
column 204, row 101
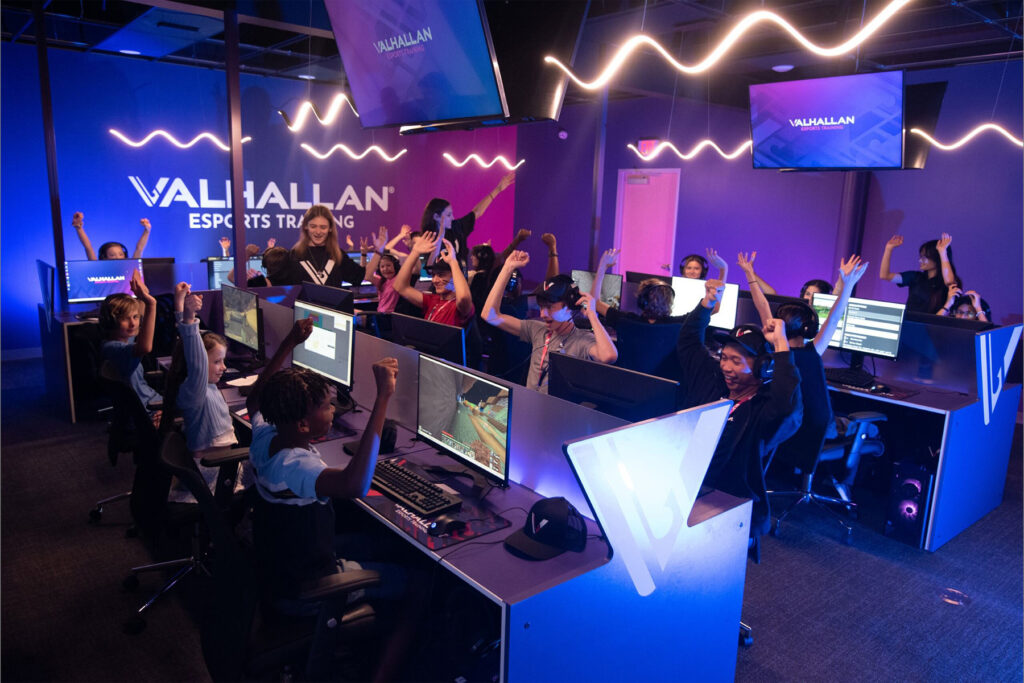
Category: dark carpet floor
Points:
column 820, row 610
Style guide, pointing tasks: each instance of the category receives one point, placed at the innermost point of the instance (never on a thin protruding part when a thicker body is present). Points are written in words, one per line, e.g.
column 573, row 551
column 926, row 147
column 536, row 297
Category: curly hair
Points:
column 655, row 298
column 291, row 395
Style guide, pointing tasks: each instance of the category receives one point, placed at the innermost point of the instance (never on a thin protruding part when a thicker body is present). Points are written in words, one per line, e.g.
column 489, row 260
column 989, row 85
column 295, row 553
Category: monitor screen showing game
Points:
column 611, row 286
column 416, row 61
column 466, row 415
column 868, row 327
column 218, row 269
column 688, row 292
column 843, row 122
column 242, row 321
column 95, row 280
column 328, row 351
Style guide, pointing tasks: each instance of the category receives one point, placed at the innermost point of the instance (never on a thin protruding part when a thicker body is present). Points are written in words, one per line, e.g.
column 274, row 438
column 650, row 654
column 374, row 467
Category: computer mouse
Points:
column 444, row 525
column 879, row 389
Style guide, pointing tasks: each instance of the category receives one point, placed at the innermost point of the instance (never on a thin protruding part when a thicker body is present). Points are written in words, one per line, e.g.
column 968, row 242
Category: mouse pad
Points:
column 478, row 521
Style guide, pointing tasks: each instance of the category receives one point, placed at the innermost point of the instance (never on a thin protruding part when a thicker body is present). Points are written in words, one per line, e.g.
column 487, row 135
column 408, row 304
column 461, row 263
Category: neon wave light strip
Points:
column 693, row 152
column 174, row 141
column 745, row 24
column 352, row 155
column 308, row 107
column 970, row 136
column 476, row 157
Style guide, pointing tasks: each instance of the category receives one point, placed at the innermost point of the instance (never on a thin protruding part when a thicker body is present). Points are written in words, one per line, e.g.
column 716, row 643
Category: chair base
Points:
column 823, row 502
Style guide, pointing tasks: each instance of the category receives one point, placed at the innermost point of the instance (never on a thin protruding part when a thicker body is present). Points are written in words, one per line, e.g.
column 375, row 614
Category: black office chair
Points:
column 810, row 448
column 648, row 348
column 239, row 640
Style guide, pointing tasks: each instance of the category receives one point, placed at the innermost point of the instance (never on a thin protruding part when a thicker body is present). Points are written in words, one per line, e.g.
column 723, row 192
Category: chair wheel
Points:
column 134, row 626
column 95, row 515
column 130, row 582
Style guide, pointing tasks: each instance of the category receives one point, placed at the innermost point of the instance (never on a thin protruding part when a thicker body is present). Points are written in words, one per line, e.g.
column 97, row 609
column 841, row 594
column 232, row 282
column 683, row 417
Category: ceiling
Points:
column 292, row 39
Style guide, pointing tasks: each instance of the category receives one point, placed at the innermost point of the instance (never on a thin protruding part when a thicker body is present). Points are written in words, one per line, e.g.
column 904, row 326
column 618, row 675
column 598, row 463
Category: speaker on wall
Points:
column 909, row 500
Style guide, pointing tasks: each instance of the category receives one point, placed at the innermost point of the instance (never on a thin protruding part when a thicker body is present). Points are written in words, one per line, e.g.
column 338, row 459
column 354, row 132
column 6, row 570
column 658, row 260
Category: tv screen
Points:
column 328, row 351
column 844, row 122
column 416, row 61
column 94, row 280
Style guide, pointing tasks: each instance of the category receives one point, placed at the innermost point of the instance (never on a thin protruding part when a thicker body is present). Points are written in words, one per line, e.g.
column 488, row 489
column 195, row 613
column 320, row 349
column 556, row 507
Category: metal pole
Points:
column 231, row 60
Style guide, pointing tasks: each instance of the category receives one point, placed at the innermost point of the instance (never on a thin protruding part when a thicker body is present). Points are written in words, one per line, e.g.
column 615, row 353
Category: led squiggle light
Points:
column 970, row 136
column 476, row 157
column 693, row 152
column 308, row 107
column 733, row 36
column 352, row 155
column 174, row 141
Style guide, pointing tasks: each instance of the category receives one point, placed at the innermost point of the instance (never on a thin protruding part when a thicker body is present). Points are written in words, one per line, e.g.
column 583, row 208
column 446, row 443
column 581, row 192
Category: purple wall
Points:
column 791, row 219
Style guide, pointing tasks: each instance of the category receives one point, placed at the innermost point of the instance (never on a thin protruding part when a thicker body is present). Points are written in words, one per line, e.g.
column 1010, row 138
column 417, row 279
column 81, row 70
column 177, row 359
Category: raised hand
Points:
column 506, row 180
column 775, row 332
column 714, row 259
column 77, row 219
column 380, row 240
column 252, row 250
column 894, row 241
column 225, row 244
column 139, row 288
column 385, row 374
column 517, row 259
column 181, row 290
column 608, row 258
column 586, row 303
column 405, row 231
column 952, row 292
column 975, row 299
column 746, row 262
column 944, row 241
column 193, row 304
column 523, row 235
column 851, row 270
column 448, row 254
column 364, row 245
column 713, row 292
column 425, row 244
column 145, row 223
column 300, row 332
column 549, row 239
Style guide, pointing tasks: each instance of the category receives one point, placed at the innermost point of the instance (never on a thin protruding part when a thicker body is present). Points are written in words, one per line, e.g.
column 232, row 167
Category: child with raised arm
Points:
column 453, row 303
column 929, row 284
column 109, row 250
column 555, row 332
column 654, row 296
column 128, row 325
column 966, row 305
column 439, row 218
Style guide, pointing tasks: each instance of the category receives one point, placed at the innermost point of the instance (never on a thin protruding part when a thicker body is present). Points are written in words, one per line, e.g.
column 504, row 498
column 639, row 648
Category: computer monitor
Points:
column 437, row 339
column 95, row 280
column 328, row 351
column 611, row 286
column 148, row 260
column 466, row 415
column 867, row 327
column 689, row 291
column 636, row 278
column 219, row 267
column 627, row 394
column 335, row 298
column 947, row 321
column 243, row 320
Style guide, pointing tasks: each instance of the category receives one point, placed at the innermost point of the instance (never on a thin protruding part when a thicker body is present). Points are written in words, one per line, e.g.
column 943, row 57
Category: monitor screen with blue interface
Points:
column 611, row 286
column 416, row 61
column 689, row 292
column 867, row 326
column 466, row 414
column 218, row 269
column 242, row 317
column 843, row 122
column 328, row 351
column 95, row 280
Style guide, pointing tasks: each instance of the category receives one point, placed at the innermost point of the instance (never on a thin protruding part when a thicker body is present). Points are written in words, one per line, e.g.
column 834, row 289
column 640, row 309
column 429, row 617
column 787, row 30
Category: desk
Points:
column 579, row 616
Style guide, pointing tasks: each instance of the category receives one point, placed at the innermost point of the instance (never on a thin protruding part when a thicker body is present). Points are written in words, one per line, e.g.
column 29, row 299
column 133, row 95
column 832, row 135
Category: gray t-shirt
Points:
column 577, row 343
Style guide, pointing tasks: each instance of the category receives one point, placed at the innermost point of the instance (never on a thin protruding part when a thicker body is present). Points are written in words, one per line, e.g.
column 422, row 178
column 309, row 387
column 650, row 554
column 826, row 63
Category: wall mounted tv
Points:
column 838, row 123
column 417, row 61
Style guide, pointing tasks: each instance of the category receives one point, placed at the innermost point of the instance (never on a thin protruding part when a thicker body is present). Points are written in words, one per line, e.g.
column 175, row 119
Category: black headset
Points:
column 643, row 297
column 106, row 245
column 764, row 362
column 800, row 319
column 560, row 288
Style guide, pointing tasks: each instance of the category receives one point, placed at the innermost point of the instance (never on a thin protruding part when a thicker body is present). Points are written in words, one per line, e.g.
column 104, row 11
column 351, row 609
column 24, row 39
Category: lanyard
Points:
column 543, row 358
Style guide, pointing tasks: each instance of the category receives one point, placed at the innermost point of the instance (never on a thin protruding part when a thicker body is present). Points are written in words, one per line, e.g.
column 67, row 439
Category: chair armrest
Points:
column 225, row 457
column 867, row 416
column 339, row 584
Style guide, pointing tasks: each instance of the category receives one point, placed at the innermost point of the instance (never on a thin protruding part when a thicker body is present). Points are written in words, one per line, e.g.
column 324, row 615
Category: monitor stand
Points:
column 857, row 371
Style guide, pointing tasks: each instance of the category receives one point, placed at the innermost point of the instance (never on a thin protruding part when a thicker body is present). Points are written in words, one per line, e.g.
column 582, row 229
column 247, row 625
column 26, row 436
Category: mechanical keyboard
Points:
column 412, row 490
column 849, row 377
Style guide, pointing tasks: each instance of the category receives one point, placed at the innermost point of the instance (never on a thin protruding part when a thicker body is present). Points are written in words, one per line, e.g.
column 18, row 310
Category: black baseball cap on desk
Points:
column 552, row 526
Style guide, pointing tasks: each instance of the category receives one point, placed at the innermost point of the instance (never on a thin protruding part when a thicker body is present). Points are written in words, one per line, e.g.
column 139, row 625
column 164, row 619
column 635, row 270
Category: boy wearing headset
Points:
column 755, row 369
column 555, row 332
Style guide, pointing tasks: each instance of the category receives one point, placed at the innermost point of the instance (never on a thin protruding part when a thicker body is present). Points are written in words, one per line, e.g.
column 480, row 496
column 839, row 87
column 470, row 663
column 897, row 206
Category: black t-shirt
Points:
column 614, row 315
column 458, row 235
column 318, row 267
column 927, row 294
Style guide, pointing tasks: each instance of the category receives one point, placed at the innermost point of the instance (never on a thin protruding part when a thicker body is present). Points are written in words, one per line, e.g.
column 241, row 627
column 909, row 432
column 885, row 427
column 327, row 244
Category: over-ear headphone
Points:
column 559, row 288
column 699, row 259
column 106, row 245
column 647, row 288
column 753, row 340
column 801, row 320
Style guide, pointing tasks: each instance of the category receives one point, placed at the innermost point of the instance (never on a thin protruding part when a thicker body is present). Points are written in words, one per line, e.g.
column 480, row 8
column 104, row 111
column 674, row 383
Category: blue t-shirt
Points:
column 287, row 476
column 121, row 355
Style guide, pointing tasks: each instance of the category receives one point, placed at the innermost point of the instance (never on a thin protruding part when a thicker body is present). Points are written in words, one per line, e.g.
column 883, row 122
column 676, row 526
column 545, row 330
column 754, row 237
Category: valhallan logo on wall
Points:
column 823, row 122
column 403, row 40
